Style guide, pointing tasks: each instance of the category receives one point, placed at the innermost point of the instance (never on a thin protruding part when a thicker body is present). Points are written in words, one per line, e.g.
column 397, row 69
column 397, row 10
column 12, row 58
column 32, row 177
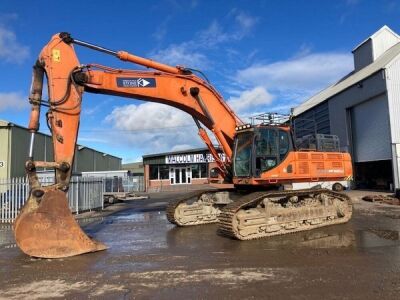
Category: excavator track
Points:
column 195, row 208
column 265, row 214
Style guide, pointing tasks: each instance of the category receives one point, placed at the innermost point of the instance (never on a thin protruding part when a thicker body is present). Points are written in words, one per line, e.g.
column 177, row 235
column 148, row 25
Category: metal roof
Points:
column 4, row 123
column 350, row 80
column 383, row 28
column 179, row 152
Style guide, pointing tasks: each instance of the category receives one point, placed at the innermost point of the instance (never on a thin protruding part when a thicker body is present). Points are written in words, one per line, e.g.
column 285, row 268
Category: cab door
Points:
column 272, row 145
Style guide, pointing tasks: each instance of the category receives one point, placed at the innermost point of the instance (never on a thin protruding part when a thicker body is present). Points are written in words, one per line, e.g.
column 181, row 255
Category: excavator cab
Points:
column 259, row 149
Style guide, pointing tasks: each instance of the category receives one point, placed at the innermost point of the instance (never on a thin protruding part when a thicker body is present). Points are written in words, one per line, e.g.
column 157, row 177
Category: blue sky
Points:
column 261, row 55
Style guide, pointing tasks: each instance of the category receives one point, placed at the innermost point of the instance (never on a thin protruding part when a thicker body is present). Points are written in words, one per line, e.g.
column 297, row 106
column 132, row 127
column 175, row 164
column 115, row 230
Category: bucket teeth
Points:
column 46, row 228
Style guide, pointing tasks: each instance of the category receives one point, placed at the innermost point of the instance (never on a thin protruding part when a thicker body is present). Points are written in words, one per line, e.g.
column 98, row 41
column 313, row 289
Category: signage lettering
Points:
column 192, row 158
column 134, row 82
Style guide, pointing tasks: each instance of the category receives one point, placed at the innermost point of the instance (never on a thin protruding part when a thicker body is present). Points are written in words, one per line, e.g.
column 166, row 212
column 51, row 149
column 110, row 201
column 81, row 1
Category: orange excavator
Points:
column 262, row 161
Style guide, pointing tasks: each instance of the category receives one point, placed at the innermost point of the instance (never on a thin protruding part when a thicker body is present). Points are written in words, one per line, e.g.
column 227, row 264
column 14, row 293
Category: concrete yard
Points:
column 149, row 258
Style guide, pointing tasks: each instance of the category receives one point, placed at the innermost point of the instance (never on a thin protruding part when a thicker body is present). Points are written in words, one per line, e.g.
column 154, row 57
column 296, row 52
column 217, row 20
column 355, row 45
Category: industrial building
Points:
column 135, row 169
column 14, row 144
column 363, row 109
column 179, row 170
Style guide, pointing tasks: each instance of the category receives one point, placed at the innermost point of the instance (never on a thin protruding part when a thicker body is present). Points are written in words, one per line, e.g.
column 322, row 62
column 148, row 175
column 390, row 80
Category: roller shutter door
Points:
column 371, row 131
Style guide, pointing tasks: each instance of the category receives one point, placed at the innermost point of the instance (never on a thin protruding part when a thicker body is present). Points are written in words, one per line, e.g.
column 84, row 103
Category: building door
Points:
column 180, row 175
column 371, row 144
column 371, row 130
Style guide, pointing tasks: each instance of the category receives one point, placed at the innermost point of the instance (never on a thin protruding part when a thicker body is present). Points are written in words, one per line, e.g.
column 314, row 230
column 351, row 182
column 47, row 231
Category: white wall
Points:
column 340, row 105
column 382, row 41
column 393, row 86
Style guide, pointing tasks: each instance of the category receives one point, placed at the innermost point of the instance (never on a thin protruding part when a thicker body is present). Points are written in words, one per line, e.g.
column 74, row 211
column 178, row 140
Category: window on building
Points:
column 195, row 171
column 153, row 172
column 164, row 171
column 204, row 171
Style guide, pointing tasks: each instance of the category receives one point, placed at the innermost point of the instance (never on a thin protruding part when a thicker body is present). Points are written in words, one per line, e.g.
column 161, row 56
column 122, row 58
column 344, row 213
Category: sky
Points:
column 262, row 56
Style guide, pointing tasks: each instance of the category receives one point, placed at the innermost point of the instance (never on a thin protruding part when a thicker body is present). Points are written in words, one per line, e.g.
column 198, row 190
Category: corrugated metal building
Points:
column 14, row 143
column 363, row 109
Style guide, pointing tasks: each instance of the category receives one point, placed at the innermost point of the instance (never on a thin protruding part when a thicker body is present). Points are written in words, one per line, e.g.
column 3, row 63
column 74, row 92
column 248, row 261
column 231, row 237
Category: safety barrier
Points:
column 84, row 194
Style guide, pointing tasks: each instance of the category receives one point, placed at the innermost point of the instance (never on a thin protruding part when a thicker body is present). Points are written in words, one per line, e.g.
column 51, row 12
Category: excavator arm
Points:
column 45, row 227
column 67, row 81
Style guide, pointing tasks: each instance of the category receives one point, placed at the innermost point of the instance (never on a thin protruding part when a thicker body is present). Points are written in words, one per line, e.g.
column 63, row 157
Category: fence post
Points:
column 103, row 189
column 13, row 198
column 18, row 194
column 77, row 195
column 1, row 201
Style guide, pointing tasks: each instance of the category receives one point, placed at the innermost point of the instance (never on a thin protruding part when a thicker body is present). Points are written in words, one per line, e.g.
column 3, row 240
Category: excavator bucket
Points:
column 46, row 228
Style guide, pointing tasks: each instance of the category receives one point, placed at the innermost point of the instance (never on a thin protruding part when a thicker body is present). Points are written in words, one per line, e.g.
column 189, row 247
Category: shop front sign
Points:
column 195, row 158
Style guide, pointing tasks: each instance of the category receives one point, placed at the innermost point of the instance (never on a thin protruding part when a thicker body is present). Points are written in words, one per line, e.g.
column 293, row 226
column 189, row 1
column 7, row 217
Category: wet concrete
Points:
column 148, row 258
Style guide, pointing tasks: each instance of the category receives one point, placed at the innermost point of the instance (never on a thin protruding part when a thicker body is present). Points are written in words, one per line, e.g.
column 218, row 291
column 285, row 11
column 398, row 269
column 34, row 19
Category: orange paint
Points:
column 171, row 86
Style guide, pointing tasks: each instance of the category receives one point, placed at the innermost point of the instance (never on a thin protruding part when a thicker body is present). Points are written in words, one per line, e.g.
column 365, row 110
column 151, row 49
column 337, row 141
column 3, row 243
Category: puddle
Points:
column 140, row 231
column 319, row 238
column 8, row 246
column 386, row 234
column 84, row 221
column 155, row 204
column 341, row 238
column 332, row 237
column 141, row 217
column 5, row 227
column 6, row 236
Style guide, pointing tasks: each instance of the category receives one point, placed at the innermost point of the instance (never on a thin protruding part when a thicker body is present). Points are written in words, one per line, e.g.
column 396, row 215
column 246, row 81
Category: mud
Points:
column 149, row 258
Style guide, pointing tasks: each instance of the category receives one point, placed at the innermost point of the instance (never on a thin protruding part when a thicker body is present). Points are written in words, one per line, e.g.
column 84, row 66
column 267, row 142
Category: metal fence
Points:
column 84, row 194
column 124, row 184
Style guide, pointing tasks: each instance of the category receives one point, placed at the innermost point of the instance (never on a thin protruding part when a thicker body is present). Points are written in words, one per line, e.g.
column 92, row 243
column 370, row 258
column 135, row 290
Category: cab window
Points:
column 243, row 155
column 266, row 149
column 272, row 146
column 283, row 144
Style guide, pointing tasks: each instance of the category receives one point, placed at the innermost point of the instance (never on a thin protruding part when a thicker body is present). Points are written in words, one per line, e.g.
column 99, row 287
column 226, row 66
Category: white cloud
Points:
column 213, row 35
column 148, row 116
column 287, row 82
column 249, row 100
column 191, row 53
column 13, row 101
column 301, row 76
column 153, row 127
column 245, row 23
column 181, row 55
column 181, row 147
column 92, row 139
column 10, row 49
column 162, row 29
